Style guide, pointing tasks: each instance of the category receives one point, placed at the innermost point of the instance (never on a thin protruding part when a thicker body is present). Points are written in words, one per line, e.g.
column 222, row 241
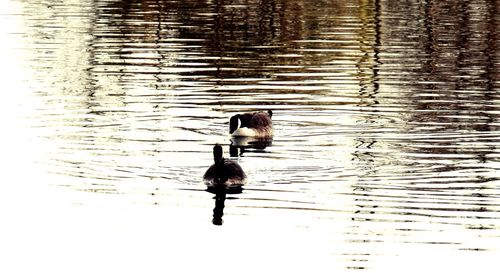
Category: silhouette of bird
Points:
column 258, row 124
column 224, row 172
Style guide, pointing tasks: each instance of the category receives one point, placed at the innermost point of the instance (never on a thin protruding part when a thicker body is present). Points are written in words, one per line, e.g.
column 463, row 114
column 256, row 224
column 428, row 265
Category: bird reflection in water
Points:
column 220, row 197
column 240, row 145
column 223, row 177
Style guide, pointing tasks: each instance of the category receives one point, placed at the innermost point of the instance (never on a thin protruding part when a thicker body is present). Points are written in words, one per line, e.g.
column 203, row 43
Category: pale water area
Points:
column 385, row 156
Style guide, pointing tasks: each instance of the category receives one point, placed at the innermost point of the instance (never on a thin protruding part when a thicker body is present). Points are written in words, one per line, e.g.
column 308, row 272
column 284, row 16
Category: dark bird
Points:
column 258, row 124
column 224, row 172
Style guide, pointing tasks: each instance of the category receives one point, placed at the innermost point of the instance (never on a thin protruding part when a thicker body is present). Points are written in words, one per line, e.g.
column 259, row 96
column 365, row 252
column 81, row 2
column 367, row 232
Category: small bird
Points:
column 258, row 124
column 223, row 172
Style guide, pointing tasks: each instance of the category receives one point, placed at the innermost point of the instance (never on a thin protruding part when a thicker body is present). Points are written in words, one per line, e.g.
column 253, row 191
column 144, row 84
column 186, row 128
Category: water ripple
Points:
column 386, row 114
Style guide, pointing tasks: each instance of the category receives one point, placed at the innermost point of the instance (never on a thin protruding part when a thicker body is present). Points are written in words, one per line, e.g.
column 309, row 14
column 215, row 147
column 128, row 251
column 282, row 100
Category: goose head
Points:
column 217, row 153
column 234, row 123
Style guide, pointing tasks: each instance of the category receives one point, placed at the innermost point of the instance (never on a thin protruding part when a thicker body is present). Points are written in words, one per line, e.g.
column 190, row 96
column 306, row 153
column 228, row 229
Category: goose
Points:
column 258, row 124
column 223, row 172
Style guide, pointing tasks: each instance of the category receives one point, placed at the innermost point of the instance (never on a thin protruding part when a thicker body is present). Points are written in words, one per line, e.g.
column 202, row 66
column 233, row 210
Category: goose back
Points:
column 228, row 173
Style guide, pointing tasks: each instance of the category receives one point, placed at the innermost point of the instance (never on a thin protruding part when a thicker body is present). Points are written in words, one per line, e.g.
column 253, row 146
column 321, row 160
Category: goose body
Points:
column 258, row 125
column 223, row 172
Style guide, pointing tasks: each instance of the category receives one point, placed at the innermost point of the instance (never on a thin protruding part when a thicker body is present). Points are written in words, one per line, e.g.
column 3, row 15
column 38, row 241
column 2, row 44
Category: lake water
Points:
column 385, row 156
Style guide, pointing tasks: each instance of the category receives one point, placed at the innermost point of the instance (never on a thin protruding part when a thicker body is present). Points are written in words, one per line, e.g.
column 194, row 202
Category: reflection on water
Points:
column 386, row 118
column 220, row 197
column 240, row 145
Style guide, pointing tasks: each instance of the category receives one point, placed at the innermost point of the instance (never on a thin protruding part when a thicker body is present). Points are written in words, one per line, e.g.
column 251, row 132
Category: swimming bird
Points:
column 223, row 172
column 258, row 124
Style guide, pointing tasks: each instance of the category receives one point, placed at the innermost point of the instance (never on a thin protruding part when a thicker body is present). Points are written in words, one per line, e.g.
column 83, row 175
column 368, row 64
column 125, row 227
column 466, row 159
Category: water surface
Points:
column 385, row 156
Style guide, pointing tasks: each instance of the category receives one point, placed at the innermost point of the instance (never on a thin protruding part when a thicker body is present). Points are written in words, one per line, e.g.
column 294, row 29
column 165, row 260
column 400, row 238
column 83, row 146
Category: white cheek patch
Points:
column 239, row 123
